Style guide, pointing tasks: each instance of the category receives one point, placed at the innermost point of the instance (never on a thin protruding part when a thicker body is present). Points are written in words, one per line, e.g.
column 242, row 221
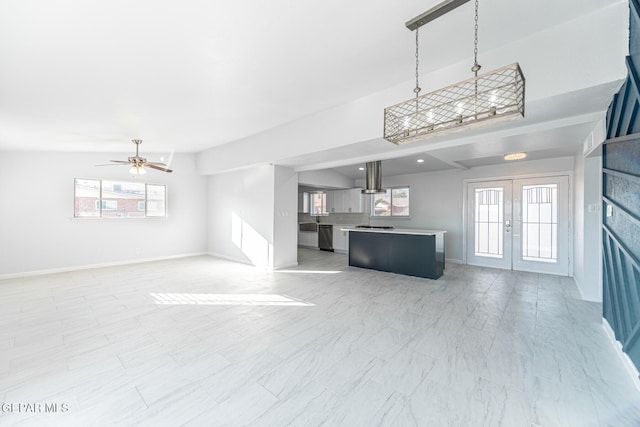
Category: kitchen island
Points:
column 404, row 251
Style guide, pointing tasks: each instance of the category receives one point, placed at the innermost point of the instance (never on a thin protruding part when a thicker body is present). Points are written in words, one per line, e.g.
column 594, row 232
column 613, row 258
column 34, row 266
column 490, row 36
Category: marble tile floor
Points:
column 205, row 342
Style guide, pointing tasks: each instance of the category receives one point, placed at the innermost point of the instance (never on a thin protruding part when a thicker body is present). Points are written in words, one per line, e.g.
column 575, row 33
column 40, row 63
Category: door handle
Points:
column 507, row 225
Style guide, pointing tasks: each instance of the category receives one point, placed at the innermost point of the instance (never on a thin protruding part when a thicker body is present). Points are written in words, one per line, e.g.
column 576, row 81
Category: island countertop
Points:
column 395, row 231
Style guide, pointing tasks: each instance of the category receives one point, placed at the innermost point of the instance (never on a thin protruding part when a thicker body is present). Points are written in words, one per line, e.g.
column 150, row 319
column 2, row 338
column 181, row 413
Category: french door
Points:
column 520, row 224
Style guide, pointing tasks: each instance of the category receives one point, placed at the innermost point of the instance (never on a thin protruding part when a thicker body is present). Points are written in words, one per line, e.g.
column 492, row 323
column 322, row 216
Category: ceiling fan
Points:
column 138, row 164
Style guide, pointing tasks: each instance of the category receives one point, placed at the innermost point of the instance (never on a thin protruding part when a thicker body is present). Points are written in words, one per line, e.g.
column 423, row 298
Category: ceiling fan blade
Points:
column 114, row 164
column 157, row 164
column 121, row 162
column 153, row 166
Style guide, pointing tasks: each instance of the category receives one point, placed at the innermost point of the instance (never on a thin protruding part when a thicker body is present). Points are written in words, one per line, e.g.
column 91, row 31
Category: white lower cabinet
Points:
column 308, row 238
column 340, row 239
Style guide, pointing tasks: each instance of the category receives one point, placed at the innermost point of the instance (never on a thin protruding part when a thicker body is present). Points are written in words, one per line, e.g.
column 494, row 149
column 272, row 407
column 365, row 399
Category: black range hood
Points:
column 374, row 178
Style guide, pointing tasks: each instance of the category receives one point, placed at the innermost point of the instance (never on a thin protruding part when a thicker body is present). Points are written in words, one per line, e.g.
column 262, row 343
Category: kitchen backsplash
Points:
column 337, row 218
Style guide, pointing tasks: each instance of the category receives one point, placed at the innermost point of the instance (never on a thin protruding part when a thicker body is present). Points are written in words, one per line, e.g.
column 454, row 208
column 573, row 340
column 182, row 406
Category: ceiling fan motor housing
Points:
column 137, row 160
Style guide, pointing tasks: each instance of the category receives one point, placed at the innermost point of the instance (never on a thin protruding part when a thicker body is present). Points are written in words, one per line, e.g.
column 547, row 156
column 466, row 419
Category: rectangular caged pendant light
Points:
column 492, row 97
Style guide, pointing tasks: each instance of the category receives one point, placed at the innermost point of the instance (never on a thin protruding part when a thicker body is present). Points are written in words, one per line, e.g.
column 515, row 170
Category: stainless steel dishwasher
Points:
column 325, row 237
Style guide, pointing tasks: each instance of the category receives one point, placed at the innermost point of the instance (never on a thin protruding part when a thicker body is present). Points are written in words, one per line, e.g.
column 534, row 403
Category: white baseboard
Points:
column 453, row 261
column 229, row 258
column 583, row 296
column 132, row 261
column 577, row 282
column 283, row 266
column 100, row 265
column 247, row 262
column 628, row 364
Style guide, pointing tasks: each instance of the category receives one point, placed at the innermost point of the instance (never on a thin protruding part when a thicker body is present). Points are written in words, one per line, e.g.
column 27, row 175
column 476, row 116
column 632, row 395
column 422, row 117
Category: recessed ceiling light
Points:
column 360, row 168
column 420, row 160
column 515, row 156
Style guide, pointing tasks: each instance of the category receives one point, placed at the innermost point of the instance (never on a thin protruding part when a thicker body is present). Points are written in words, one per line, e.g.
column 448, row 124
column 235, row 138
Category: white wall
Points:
column 241, row 205
column 578, row 220
column 437, row 197
column 325, row 179
column 591, row 286
column 587, row 269
column 285, row 236
column 587, row 242
column 249, row 210
column 38, row 231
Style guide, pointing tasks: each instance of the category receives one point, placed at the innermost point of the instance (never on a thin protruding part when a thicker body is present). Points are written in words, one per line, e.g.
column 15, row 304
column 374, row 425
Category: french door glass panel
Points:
column 489, row 214
column 519, row 224
column 489, row 220
column 541, row 225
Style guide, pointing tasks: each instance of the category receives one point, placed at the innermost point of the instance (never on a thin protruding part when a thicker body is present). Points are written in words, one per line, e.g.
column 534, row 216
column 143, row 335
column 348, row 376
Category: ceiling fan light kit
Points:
column 137, row 170
column 493, row 97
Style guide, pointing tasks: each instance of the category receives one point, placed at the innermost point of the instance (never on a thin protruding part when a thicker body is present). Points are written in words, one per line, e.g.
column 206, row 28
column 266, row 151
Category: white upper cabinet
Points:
column 303, row 202
column 355, row 203
column 330, row 201
column 338, row 201
column 345, row 201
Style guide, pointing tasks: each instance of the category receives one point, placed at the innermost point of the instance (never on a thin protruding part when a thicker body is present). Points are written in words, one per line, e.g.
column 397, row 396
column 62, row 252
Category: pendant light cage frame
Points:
column 492, row 97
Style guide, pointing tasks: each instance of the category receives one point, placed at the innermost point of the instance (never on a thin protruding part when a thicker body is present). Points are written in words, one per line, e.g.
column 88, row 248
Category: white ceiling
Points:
column 90, row 75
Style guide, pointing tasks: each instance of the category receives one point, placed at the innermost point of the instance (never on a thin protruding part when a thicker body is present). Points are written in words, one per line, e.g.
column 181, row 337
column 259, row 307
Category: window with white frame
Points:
column 392, row 203
column 318, row 204
column 118, row 199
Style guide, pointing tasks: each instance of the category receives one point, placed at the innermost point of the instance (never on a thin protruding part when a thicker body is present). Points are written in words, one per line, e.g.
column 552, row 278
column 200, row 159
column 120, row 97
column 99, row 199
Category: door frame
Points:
column 465, row 182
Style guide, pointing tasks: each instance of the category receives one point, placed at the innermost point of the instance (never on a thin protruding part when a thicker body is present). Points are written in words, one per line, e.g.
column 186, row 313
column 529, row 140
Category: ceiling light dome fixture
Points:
column 493, row 97
column 515, row 156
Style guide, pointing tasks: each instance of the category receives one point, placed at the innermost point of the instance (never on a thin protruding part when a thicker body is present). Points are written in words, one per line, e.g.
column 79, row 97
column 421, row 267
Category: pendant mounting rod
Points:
column 434, row 13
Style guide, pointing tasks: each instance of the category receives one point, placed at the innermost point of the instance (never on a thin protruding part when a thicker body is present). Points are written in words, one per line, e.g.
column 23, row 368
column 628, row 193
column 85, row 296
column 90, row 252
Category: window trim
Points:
column 147, row 200
column 100, row 216
column 391, row 215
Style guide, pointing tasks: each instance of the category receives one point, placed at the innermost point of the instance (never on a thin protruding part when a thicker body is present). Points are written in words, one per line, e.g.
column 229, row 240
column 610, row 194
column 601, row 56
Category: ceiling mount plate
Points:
column 434, row 13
